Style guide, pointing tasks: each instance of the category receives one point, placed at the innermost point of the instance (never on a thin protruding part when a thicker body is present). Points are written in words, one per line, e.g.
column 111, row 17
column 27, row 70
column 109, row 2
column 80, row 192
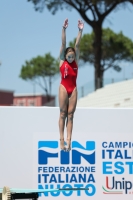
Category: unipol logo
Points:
column 49, row 150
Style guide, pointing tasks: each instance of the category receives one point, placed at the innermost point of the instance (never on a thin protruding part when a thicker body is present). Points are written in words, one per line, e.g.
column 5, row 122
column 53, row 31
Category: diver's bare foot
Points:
column 62, row 146
column 68, row 147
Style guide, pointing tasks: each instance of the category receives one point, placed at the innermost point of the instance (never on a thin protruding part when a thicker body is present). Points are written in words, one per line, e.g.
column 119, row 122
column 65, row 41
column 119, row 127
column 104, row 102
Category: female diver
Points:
column 67, row 90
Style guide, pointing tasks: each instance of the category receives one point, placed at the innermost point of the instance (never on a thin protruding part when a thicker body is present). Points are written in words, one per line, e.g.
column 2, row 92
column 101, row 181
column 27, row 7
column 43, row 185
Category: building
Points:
column 33, row 100
column 6, row 98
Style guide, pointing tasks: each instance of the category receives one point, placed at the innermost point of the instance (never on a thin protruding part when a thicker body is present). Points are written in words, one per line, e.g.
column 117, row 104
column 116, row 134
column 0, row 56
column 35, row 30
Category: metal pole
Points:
column 34, row 93
column 82, row 91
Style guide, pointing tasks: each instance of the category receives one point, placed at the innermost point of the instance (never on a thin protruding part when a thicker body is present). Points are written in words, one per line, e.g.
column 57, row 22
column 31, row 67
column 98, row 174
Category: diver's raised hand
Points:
column 65, row 24
column 80, row 24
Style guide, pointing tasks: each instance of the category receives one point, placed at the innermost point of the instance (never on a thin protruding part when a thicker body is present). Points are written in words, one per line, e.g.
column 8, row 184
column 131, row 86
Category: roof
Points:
column 29, row 94
column 3, row 90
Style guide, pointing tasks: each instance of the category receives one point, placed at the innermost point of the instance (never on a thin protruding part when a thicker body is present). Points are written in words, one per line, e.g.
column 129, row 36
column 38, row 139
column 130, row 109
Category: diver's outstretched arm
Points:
column 80, row 26
column 63, row 45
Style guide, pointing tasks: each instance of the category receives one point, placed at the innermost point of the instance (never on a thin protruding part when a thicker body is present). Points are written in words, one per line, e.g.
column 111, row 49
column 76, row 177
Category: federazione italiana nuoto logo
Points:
column 59, row 169
column 117, row 167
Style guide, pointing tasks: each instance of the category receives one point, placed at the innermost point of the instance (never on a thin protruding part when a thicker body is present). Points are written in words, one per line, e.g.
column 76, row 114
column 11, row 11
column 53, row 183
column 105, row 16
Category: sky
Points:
column 25, row 33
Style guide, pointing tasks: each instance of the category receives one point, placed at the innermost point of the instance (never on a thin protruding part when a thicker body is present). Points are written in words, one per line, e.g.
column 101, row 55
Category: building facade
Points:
column 6, row 98
column 33, row 100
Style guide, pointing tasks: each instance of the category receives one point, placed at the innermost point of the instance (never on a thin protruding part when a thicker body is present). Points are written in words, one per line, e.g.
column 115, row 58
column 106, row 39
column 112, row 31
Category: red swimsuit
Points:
column 69, row 75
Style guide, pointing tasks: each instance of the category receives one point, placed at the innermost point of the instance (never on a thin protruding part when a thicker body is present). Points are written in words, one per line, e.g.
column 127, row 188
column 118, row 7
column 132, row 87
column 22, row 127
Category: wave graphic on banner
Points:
column 49, row 149
column 90, row 145
column 43, row 156
column 46, row 149
column 87, row 152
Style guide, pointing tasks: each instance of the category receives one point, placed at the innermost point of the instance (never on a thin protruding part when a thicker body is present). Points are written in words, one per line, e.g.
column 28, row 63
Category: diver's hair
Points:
column 69, row 49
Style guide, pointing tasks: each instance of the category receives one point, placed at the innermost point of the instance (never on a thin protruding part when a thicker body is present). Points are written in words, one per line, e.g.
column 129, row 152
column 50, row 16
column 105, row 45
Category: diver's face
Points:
column 70, row 56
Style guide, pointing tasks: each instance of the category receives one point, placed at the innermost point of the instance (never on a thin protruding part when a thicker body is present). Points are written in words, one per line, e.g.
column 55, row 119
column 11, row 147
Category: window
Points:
column 31, row 102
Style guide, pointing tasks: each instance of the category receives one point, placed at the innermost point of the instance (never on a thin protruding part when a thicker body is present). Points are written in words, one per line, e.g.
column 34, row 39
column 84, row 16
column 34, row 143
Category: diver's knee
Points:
column 63, row 114
column 70, row 116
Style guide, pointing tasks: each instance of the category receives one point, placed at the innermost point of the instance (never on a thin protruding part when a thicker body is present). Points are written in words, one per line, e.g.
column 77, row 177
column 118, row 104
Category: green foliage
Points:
column 115, row 48
column 45, row 67
column 40, row 66
column 27, row 71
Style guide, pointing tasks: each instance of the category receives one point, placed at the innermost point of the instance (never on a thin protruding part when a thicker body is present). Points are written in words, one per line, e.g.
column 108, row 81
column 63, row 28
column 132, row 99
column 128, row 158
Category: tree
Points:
column 39, row 70
column 115, row 48
column 99, row 10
